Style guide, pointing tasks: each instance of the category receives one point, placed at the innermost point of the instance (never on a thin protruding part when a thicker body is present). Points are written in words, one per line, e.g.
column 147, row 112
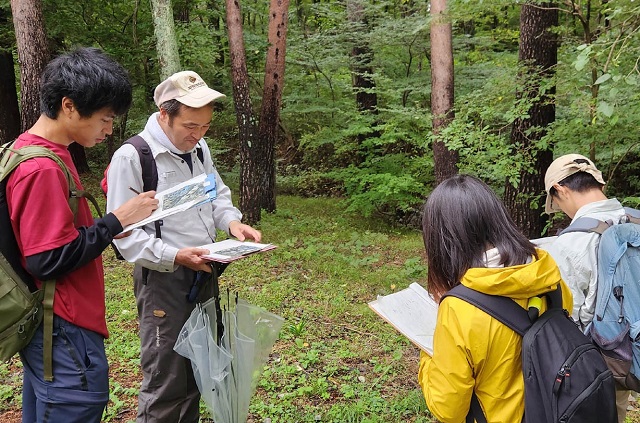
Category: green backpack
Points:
column 22, row 307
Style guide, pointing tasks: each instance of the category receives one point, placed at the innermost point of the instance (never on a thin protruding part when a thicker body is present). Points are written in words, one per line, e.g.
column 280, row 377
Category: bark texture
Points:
column 166, row 41
column 442, row 94
column 247, row 128
column 265, row 162
column 33, row 55
column 538, row 56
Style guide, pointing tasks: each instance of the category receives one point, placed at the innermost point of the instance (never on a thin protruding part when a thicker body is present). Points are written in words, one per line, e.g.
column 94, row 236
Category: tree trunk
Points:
column 249, row 151
column 363, row 83
column 362, row 57
column 166, row 42
column 442, row 95
column 538, row 56
column 10, row 116
column 33, row 55
column 265, row 162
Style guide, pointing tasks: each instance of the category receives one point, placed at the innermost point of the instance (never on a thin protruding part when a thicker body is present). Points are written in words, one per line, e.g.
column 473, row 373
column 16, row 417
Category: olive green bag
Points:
column 22, row 307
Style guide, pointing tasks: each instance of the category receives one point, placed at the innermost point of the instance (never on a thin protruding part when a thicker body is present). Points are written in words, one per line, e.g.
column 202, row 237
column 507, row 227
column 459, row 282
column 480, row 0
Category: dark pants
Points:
column 79, row 391
column 169, row 392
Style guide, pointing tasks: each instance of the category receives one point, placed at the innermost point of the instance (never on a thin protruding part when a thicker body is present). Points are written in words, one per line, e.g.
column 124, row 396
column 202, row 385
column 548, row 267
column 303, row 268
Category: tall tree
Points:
column 166, row 41
column 265, row 163
column 363, row 83
column 442, row 95
column 537, row 56
column 362, row 57
column 247, row 128
column 33, row 55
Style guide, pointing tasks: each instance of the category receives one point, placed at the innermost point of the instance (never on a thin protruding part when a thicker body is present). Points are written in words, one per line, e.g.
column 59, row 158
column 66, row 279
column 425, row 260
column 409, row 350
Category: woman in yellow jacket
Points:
column 470, row 239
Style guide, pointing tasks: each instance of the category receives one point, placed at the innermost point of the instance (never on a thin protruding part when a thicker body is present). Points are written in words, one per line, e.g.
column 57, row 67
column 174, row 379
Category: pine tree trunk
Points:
column 166, row 42
column 33, row 55
column 249, row 151
column 538, row 56
column 442, row 94
column 265, row 163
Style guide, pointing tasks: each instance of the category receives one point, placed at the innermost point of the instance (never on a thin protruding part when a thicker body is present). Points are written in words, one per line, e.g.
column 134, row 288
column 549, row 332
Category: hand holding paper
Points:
column 198, row 190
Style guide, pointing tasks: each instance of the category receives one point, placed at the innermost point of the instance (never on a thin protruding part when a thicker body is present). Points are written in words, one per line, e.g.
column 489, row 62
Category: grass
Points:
column 335, row 360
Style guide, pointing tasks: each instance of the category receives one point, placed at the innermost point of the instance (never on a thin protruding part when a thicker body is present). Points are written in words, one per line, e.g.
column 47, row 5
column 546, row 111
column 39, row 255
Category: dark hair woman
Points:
column 470, row 238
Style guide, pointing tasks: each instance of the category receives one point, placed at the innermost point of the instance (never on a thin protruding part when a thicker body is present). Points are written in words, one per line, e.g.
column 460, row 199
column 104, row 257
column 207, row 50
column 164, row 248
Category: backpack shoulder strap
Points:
column 200, row 153
column 504, row 309
column 11, row 159
column 587, row 224
column 147, row 162
column 149, row 170
column 631, row 216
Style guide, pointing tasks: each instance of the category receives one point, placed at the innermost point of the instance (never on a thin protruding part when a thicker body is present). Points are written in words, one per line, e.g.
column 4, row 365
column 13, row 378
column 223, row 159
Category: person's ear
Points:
column 164, row 116
column 561, row 190
column 68, row 107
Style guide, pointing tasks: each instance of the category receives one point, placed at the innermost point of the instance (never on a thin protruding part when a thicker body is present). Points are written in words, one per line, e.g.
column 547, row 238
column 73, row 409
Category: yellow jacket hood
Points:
column 518, row 282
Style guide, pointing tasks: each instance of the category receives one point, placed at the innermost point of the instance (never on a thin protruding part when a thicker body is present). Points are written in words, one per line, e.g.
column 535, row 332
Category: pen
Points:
column 134, row 190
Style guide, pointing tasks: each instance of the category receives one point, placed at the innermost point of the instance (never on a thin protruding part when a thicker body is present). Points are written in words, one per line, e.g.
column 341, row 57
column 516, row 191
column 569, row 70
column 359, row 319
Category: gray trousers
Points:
column 168, row 392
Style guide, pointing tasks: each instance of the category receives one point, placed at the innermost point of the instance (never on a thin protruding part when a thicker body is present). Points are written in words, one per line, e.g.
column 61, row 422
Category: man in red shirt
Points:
column 81, row 93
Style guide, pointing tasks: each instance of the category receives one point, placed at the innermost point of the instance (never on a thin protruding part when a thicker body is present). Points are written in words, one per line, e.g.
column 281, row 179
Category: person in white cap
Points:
column 575, row 186
column 166, row 257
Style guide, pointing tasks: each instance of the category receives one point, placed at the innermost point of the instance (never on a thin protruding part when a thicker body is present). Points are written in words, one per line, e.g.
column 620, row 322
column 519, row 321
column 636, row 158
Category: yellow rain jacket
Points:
column 474, row 351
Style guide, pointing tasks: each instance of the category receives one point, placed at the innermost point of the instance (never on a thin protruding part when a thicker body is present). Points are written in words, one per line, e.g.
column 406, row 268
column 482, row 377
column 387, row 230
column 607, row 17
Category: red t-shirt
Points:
column 37, row 195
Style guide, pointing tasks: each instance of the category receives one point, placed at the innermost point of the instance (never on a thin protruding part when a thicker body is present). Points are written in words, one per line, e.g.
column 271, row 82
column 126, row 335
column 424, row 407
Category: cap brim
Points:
column 197, row 100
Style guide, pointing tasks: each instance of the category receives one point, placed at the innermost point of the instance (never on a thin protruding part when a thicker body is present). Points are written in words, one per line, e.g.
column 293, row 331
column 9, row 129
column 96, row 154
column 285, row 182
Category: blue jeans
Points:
column 79, row 391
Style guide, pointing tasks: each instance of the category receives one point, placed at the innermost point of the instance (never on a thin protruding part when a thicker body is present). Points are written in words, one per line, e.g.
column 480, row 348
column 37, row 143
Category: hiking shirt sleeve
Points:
column 575, row 254
column 190, row 228
column 49, row 240
column 138, row 247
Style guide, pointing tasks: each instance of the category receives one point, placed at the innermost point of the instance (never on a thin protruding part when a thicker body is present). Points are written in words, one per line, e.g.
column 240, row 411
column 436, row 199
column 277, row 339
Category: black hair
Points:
column 172, row 107
column 90, row 78
column 462, row 218
column 578, row 182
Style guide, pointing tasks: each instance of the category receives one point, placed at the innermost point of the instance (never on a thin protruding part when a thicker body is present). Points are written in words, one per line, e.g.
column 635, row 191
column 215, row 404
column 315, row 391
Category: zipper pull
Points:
column 619, row 295
column 567, row 377
column 558, row 382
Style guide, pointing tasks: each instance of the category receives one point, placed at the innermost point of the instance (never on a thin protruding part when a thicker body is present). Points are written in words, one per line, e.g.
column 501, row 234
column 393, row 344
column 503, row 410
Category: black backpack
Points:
column 565, row 377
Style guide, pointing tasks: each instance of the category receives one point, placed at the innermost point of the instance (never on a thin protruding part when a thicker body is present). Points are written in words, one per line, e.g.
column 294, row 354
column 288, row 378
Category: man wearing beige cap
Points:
column 166, row 255
column 575, row 186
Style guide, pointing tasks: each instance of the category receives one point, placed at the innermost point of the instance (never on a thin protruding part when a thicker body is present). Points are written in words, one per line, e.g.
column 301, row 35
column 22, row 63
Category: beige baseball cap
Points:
column 563, row 167
column 188, row 88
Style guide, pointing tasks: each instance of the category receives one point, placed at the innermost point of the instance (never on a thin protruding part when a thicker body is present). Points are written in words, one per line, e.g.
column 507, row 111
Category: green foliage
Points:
column 381, row 160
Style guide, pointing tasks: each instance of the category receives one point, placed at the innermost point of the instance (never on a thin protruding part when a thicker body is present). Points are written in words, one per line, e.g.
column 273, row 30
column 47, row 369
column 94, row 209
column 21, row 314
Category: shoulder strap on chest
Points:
column 504, row 309
column 200, row 153
column 11, row 159
column 149, row 170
